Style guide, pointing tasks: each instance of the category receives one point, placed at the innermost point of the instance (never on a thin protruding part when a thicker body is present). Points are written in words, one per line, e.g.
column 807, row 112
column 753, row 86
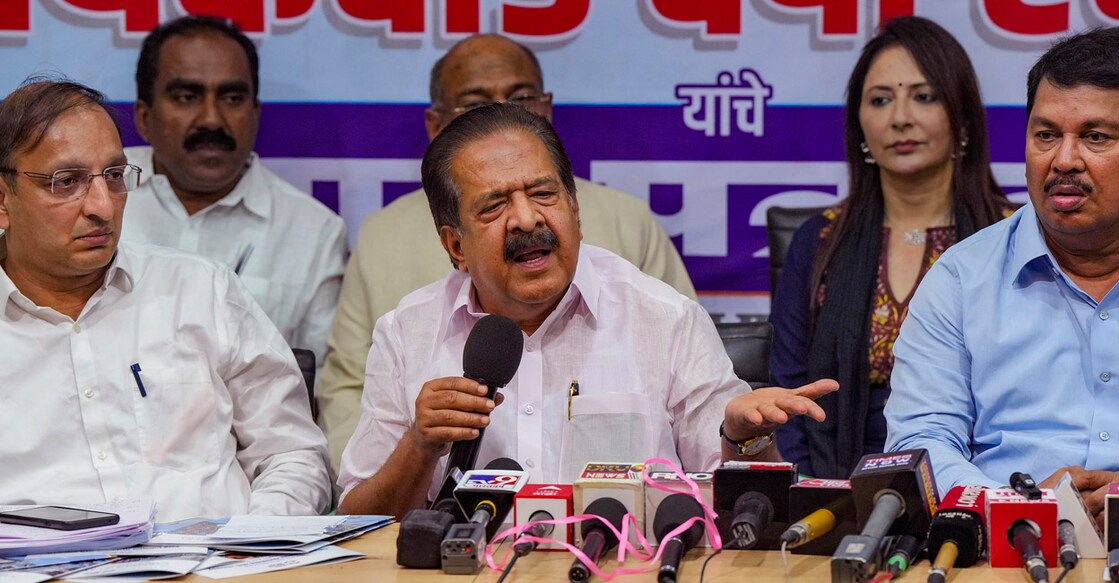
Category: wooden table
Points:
column 731, row 566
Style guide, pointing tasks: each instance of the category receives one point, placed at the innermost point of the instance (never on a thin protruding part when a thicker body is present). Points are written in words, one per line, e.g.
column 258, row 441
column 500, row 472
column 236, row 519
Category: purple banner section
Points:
column 604, row 132
column 648, row 135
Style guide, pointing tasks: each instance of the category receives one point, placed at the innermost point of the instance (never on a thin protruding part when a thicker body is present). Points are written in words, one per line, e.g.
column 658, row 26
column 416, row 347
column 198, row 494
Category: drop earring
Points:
column 960, row 153
column 866, row 152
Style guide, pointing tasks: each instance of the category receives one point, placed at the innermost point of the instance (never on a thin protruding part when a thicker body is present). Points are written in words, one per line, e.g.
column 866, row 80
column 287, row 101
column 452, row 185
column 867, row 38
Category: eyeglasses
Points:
column 71, row 183
column 527, row 101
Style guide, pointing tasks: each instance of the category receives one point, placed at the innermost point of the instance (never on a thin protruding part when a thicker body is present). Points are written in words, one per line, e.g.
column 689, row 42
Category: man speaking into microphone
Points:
column 616, row 365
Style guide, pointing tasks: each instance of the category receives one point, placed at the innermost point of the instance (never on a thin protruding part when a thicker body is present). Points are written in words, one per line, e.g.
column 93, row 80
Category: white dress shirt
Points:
column 225, row 427
column 653, row 376
column 291, row 247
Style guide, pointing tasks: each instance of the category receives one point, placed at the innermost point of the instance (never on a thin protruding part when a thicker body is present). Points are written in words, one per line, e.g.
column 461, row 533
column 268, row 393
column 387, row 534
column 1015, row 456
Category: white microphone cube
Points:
column 654, row 497
column 620, row 481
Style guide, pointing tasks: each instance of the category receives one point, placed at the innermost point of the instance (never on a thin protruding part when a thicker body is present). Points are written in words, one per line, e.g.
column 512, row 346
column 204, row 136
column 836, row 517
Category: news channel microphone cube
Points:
column 498, row 486
column 555, row 499
column 1111, row 517
column 771, row 479
column 1004, row 508
column 961, row 518
column 909, row 473
column 654, row 497
column 812, row 494
column 621, row 481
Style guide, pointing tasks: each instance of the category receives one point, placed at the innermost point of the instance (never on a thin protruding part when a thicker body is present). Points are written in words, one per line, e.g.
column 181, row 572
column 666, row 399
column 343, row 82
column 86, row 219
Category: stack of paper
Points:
column 134, row 528
column 285, row 535
column 137, row 563
column 212, row 548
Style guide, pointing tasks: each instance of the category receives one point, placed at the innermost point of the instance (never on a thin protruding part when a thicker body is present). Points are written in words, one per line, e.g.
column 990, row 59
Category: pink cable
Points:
column 644, row 554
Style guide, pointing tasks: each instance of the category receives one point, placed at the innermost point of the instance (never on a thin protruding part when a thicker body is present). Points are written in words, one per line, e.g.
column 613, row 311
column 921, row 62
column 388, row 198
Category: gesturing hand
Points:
column 756, row 413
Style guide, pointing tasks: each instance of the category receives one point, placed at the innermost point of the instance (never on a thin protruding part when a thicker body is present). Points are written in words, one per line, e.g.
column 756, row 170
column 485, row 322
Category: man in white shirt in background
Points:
column 206, row 192
column 648, row 374
column 131, row 371
column 397, row 253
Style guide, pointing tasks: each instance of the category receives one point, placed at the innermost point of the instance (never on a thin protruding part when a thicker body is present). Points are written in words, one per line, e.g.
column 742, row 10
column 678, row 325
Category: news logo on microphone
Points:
column 620, row 481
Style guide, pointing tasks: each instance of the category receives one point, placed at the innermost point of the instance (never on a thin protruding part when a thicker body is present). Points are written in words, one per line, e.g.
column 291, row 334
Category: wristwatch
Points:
column 752, row 446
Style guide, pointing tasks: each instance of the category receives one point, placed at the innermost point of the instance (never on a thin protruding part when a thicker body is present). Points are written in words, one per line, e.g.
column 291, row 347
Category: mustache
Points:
column 1068, row 181
column 207, row 137
column 516, row 243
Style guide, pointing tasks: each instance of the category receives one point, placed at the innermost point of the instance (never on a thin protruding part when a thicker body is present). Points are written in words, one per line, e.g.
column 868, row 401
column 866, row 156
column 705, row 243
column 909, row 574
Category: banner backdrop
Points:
column 711, row 111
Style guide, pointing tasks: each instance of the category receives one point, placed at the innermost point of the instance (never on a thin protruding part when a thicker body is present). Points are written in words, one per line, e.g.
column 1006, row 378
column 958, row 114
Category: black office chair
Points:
column 747, row 345
column 781, row 223
column 306, row 361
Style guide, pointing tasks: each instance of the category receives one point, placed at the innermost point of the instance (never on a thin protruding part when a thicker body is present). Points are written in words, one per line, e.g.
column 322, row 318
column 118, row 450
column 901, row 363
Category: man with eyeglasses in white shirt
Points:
column 131, row 371
column 396, row 251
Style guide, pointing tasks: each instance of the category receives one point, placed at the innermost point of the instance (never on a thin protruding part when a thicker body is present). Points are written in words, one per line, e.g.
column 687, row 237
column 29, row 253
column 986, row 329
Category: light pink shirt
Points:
column 653, row 376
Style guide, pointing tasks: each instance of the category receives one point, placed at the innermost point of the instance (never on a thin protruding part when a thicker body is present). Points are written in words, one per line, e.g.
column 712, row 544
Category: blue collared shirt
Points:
column 1004, row 365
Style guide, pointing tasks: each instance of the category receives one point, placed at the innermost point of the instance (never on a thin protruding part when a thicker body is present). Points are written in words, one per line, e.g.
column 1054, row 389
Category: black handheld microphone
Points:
column 504, row 463
column 1025, row 485
column 752, row 501
column 491, row 356
column 824, row 511
column 1068, row 554
column 486, row 496
column 523, row 547
column 539, row 530
column 752, row 514
column 674, row 511
column 597, row 537
column 419, row 542
column 894, row 494
column 1025, row 537
column 957, row 536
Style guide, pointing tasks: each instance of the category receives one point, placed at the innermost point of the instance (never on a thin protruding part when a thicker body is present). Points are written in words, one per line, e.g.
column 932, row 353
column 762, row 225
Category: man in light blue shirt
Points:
column 1009, row 357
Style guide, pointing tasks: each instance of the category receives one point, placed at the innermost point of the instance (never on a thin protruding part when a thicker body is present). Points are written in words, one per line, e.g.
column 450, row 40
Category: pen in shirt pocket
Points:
column 572, row 392
column 136, row 375
column 244, row 259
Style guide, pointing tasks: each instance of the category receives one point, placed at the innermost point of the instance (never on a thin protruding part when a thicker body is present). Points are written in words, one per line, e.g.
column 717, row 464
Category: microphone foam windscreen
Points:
column 493, row 351
column 609, row 510
column 420, row 536
column 674, row 511
column 504, row 463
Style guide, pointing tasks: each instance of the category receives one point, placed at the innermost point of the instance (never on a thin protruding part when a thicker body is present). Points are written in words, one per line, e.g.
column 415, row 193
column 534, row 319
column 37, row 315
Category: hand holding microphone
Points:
column 454, row 410
column 451, row 409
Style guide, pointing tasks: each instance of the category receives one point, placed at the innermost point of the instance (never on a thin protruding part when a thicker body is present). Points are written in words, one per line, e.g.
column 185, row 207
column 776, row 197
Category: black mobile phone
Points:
column 59, row 517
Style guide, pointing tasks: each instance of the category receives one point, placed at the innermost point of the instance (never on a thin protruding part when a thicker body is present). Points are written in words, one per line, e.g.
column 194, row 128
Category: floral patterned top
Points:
column 889, row 311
